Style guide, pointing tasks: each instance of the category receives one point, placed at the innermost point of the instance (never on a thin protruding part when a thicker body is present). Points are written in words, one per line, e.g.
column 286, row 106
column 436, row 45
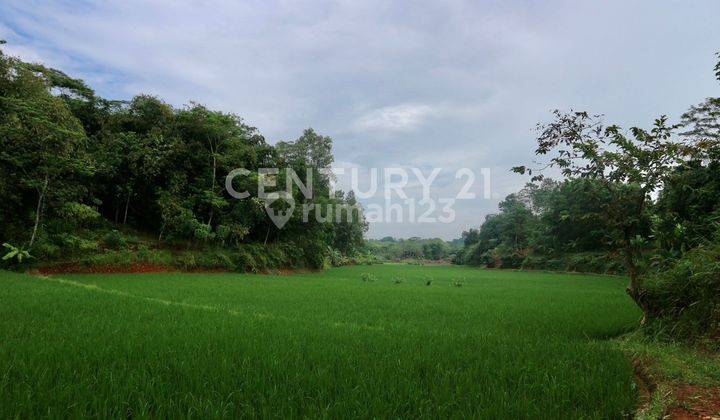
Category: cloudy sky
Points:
column 449, row 85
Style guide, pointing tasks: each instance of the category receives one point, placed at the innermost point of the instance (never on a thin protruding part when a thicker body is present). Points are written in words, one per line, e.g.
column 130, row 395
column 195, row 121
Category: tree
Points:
column 350, row 229
column 42, row 143
column 208, row 136
column 630, row 168
column 69, row 158
column 470, row 236
column 702, row 122
column 569, row 216
column 515, row 222
column 134, row 150
column 435, row 249
column 687, row 211
column 311, row 149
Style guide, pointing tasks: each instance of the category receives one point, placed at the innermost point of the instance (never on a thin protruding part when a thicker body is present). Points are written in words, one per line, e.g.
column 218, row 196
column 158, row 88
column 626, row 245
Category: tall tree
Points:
column 41, row 142
column 630, row 168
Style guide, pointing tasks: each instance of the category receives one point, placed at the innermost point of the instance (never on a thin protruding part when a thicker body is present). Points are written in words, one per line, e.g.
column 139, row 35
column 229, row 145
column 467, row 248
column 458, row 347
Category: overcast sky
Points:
column 447, row 85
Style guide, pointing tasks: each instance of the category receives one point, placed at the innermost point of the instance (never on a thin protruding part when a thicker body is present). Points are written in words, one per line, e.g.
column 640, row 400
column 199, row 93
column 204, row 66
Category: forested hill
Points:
column 82, row 175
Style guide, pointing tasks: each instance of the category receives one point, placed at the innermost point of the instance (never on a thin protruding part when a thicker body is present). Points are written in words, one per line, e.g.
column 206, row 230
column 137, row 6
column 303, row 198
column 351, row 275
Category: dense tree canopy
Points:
column 67, row 155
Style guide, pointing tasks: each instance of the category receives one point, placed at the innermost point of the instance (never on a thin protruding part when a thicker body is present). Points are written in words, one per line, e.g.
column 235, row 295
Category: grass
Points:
column 674, row 361
column 668, row 366
column 504, row 345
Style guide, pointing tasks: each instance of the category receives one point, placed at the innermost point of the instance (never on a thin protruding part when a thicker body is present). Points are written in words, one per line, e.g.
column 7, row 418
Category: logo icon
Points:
column 280, row 217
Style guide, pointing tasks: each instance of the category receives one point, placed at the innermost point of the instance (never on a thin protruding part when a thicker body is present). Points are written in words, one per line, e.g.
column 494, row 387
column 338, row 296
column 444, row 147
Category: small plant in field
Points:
column 367, row 277
column 16, row 253
column 457, row 282
column 398, row 280
column 428, row 281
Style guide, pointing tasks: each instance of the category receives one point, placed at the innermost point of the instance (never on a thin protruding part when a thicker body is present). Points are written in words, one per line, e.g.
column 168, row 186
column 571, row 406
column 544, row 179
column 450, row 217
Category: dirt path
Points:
column 682, row 401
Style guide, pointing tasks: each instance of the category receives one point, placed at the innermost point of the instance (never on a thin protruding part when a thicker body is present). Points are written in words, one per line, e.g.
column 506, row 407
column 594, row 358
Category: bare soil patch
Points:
column 686, row 402
column 73, row 268
column 693, row 402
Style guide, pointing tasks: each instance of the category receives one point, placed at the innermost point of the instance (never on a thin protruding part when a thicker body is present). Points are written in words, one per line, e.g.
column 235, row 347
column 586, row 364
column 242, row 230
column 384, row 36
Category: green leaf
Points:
column 10, row 254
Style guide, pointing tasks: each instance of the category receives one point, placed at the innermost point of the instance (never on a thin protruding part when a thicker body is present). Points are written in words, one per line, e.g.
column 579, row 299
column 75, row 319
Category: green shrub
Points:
column 111, row 258
column 543, row 262
column 143, row 253
column 585, row 262
column 76, row 214
column 502, row 257
column 314, row 254
column 46, row 250
column 211, row 260
column 684, row 300
column 186, row 261
column 115, row 240
column 244, row 260
column 157, row 257
column 85, row 245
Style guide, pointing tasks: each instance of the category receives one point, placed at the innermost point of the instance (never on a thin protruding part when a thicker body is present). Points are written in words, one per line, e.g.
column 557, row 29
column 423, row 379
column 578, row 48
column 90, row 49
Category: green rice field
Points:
column 354, row 342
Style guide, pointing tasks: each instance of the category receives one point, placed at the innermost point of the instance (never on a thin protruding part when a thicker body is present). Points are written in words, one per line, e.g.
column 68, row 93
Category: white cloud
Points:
column 404, row 117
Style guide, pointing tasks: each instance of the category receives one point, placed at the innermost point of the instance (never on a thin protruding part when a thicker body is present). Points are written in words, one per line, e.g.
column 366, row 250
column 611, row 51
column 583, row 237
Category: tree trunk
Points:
column 38, row 211
column 127, row 205
column 634, row 288
column 214, row 174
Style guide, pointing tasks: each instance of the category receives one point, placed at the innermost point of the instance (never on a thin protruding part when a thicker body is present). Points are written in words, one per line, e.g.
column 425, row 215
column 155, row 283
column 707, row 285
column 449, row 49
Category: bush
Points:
column 314, row 253
column 212, row 260
column 244, row 260
column 46, row 250
column 542, row 262
column 115, row 240
column 512, row 258
column 585, row 262
column 684, row 300
column 186, row 261
column 110, row 259
column 76, row 214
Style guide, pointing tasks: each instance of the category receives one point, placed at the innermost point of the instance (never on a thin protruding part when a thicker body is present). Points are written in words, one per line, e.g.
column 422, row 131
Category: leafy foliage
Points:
column 648, row 198
column 684, row 297
column 629, row 168
column 72, row 163
column 15, row 254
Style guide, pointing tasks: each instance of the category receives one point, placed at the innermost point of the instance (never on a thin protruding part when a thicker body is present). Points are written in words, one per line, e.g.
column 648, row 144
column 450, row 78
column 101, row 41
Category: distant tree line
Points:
column 414, row 248
column 77, row 170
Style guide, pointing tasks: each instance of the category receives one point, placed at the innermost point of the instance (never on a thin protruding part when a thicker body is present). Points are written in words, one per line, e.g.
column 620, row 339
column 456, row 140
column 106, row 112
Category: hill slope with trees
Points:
column 89, row 180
